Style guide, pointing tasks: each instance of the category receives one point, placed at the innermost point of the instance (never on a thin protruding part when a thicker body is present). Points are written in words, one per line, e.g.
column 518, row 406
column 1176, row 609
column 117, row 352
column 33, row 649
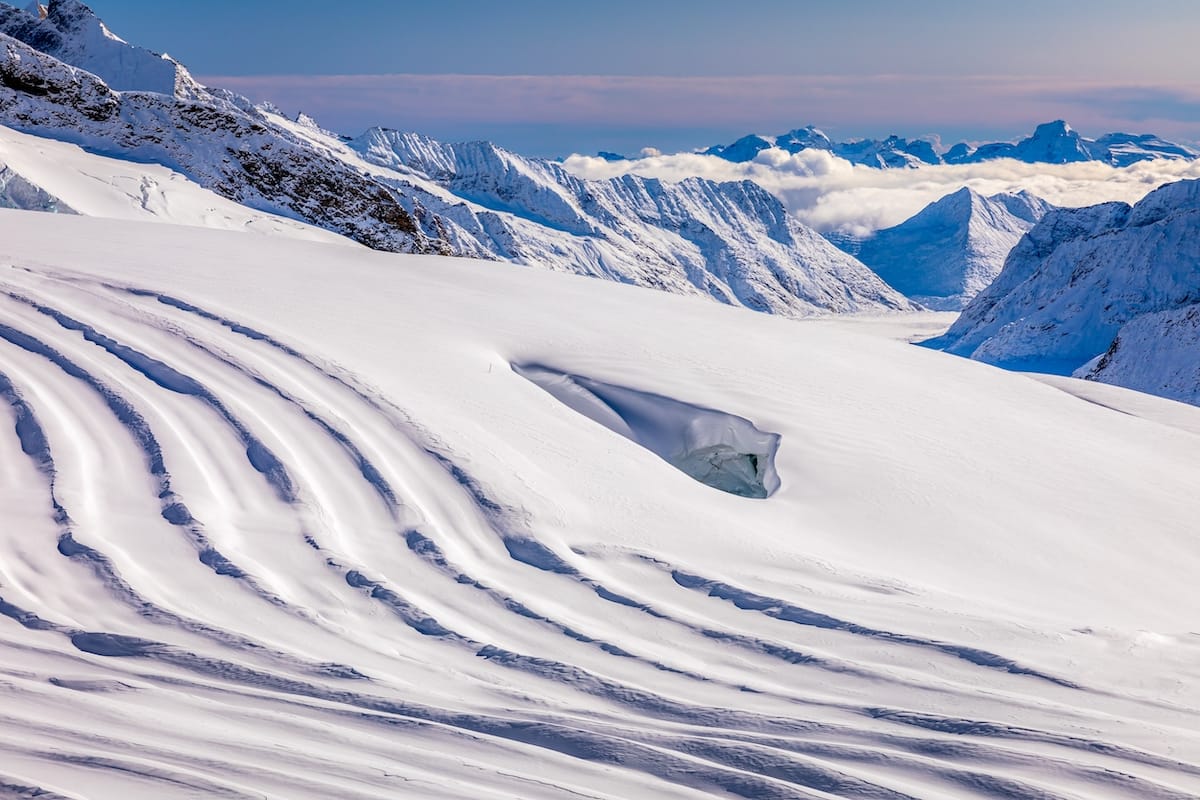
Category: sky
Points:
column 552, row 77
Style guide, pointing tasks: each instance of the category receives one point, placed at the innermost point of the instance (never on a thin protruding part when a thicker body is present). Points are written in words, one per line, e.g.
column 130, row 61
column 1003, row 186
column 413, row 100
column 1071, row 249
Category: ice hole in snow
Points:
column 721, row 450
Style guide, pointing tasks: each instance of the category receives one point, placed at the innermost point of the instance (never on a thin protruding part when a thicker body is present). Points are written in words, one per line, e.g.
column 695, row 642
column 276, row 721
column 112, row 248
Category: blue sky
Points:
column 550, row 76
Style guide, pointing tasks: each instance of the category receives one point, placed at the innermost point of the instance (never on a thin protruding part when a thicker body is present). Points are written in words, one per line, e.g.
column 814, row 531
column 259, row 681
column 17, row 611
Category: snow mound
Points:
column 720, row 450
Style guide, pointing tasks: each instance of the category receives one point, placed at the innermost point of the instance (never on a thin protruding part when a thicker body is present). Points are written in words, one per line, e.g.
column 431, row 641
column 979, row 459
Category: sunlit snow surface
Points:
column 279, row 519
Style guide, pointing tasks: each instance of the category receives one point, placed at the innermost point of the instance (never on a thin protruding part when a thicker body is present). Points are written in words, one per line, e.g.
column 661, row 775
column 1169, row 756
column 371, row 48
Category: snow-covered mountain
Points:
column 732, row 242
column 1106, row 290
column 297, row 520
column 893, row 151
column 952, row 249
column 1051, row 143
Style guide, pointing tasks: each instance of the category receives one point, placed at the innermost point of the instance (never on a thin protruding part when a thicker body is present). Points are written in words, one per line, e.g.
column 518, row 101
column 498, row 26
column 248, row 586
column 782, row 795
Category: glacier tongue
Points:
column 17, row 192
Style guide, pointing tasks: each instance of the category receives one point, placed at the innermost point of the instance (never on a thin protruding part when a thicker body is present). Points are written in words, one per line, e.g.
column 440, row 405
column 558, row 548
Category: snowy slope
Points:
column 1080, row 275
column 283, row 521
column 56, row 176
column 732, row 241
column 70, row 32
column 951, row 250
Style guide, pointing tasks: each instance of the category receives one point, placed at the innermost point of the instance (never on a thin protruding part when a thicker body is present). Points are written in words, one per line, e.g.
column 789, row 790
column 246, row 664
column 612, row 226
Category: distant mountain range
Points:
column 1051, row 143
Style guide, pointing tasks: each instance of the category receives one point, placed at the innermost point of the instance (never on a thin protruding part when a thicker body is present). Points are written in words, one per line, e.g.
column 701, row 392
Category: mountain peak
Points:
column 950, row 250
column 1056, row 128
column 70, row 31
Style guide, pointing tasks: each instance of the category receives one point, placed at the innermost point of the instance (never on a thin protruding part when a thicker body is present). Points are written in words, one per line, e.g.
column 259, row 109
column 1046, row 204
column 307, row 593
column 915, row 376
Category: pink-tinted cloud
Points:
column 878, row 104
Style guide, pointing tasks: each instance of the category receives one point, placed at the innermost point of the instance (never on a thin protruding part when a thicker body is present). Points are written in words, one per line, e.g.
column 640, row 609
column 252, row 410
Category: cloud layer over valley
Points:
column 831, row 194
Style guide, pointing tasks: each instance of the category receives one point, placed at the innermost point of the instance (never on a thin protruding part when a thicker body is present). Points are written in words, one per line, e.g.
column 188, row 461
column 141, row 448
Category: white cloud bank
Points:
column 831, row 194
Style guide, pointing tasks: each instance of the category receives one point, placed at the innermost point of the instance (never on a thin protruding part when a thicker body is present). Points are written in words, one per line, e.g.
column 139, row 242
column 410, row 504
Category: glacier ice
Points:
column 718, row 449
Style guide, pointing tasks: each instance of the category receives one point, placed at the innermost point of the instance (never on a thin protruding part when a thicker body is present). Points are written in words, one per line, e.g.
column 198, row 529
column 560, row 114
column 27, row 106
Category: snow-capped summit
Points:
column 1051, row 143
column 1074, row 282
column 948, row 252
column 1058, row 143
column 71, row 32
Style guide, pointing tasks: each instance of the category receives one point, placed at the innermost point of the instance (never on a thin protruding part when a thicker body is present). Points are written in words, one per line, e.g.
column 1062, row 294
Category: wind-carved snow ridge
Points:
column 721, row 450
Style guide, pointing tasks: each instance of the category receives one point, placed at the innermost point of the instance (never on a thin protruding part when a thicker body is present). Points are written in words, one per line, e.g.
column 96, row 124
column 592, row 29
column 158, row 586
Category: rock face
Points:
column 63, row 75
column 1051, row 143
column 1107, row 292
column 949, row 252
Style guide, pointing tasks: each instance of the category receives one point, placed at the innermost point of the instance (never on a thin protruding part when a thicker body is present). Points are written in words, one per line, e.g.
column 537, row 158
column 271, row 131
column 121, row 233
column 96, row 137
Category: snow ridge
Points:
column 72, row 33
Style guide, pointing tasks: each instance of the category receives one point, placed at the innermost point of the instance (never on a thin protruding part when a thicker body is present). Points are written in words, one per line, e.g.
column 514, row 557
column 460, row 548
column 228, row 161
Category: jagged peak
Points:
column 70, row 31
